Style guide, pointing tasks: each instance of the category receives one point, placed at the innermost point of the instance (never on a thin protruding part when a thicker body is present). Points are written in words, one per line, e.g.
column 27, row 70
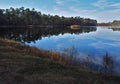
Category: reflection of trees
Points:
column 116, row 29
column 32, row 34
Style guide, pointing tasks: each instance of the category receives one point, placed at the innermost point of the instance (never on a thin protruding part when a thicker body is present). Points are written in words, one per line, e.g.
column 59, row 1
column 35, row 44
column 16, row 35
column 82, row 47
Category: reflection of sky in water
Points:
column 96, row 44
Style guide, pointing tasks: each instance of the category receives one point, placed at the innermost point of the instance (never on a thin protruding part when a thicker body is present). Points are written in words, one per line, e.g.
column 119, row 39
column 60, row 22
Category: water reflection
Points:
column 115, row 28
column 88, row 44
column 95, row 44
column 24, row 34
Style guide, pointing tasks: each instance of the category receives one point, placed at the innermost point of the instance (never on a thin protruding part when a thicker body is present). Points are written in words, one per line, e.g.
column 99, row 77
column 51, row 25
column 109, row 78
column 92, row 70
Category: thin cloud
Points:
column 101, row 16
column 102, row 4
column 107, row 15
column 59, row 2
column 116, row 5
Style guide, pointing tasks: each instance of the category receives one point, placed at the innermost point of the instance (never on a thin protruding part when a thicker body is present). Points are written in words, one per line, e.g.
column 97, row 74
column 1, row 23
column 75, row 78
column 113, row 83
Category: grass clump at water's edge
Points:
column 28, row 65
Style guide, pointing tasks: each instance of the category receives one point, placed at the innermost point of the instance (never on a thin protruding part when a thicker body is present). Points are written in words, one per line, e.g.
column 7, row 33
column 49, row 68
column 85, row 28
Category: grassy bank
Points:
column 24, row 65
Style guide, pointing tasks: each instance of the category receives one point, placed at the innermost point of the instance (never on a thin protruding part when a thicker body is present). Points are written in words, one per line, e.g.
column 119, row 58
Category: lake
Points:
column 86, row 43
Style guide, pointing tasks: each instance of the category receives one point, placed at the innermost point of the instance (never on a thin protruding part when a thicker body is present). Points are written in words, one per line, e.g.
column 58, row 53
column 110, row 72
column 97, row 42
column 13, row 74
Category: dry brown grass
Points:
column 12, row 46
column 55, row 56
column 21, row 64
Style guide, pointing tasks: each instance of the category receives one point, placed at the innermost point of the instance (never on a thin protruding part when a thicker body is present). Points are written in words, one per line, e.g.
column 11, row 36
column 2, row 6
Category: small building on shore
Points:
column 75, row 26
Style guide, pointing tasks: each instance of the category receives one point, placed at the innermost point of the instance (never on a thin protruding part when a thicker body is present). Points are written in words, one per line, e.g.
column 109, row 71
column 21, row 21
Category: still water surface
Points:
column 95, row 44
column 92, row 41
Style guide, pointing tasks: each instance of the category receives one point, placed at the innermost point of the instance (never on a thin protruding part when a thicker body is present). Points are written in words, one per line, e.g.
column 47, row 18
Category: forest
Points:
column 113, row 23
column 26, row 16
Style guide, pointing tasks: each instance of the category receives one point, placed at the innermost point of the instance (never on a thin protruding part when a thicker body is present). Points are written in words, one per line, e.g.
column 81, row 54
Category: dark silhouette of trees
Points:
column 22, row 16
column 2, row 17
column 24, row 34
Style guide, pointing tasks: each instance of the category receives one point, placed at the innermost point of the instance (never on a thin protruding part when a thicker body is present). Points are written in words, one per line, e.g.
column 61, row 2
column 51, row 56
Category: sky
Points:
column 101, row 10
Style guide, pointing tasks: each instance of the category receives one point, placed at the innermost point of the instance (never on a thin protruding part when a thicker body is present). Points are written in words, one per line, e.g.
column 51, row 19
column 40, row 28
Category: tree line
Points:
column 26, row 16
column 114, row 23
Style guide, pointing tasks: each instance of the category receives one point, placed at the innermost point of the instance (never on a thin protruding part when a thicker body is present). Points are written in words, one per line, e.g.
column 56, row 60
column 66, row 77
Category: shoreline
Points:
column 24, row 64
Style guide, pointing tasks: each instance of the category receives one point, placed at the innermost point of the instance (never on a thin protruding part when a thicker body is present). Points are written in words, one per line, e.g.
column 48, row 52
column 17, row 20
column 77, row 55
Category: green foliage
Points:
column 22, row 16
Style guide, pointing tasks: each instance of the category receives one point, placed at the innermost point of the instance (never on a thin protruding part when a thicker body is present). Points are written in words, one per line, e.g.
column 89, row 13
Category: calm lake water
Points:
column 94, row 42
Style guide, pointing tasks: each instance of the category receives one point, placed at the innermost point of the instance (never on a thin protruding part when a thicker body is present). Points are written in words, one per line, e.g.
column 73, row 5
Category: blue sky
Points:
column 101, row 10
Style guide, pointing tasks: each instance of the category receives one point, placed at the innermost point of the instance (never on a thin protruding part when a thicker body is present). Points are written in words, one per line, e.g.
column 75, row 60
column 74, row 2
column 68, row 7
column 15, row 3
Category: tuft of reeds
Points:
column 13, row 46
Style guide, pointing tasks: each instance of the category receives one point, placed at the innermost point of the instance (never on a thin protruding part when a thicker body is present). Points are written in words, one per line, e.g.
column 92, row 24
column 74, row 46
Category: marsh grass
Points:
column 108, row 64
column 21, row 64
column 14, row 48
